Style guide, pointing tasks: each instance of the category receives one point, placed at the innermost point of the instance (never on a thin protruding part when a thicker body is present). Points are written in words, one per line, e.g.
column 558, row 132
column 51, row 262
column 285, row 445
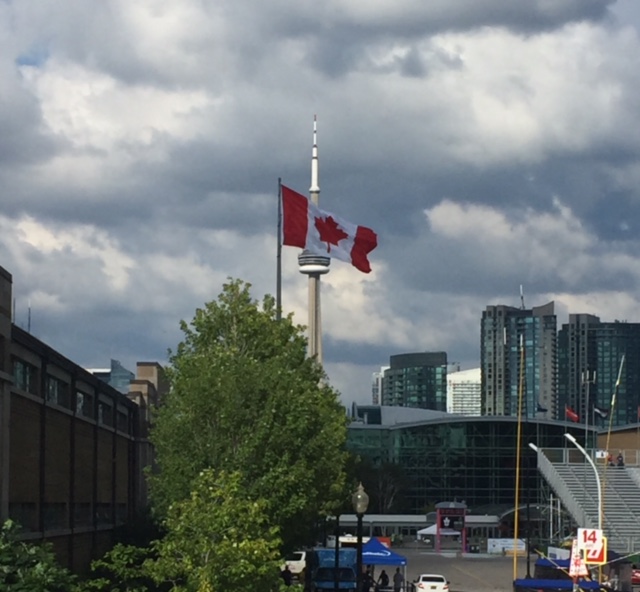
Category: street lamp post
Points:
column 360, row 501
column 572, row 439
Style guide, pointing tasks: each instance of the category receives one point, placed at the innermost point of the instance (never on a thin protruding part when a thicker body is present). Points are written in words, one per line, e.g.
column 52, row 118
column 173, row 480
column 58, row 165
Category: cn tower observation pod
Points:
column 312, row 264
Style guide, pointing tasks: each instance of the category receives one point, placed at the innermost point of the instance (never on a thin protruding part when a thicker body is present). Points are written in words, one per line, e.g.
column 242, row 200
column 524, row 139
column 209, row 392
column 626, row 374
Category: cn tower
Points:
column 314, row 265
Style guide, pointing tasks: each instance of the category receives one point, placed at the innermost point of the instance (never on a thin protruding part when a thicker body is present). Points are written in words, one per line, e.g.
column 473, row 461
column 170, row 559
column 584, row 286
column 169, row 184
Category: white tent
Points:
column 433, row 529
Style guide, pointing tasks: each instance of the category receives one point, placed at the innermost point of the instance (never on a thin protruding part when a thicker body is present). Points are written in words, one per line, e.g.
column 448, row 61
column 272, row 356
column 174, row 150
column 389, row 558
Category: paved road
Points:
column 471, row 573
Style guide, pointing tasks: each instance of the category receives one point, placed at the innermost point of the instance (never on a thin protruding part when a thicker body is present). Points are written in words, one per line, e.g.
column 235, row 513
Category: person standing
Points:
column 367, row 581
column 286, row 575
column 398, row 580
column 383, row 579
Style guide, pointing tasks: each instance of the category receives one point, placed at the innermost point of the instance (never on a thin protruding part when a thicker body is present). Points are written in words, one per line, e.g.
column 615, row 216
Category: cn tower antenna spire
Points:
column 314, row 265
column 314, row 190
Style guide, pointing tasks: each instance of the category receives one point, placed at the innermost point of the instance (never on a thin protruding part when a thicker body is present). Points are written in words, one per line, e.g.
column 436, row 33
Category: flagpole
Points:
column 604, row 476
column 585, row 379
column 518, row 446
column 595, row 436
column 613, row 401
column 279, row 255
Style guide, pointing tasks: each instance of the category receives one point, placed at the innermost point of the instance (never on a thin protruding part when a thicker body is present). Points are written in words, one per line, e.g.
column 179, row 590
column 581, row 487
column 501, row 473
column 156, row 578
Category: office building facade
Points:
column 464, row 392
column 376, row 385
column 615, row 341
column 590, row 354
column 416, row 380
column 577, row 366
column 116, row 376
column 518, row 360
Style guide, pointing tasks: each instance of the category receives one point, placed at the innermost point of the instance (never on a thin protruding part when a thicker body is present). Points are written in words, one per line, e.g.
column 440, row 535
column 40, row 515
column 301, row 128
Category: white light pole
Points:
column 571, row 439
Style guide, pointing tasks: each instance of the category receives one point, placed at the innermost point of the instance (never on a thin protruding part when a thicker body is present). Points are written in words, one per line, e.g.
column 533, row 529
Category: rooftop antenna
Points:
column 29, row 318
column 521, row 298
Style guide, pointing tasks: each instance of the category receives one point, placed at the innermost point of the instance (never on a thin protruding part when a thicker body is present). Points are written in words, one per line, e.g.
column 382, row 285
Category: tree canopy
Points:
column 246, row 398
column 217, row 540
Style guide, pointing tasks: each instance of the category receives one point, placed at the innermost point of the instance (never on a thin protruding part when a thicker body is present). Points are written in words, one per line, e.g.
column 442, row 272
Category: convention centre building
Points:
column 443, row 457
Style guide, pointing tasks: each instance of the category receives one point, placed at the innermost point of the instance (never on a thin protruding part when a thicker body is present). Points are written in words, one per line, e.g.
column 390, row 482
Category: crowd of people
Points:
column 383, row 581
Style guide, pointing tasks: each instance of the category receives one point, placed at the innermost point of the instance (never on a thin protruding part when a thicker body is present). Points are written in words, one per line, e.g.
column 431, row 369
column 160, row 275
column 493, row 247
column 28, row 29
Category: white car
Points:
column 431, row 583
column 296, row 562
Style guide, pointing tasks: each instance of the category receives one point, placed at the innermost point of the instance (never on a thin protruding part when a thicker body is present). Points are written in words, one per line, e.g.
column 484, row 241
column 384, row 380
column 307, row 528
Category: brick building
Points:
column 72, row 448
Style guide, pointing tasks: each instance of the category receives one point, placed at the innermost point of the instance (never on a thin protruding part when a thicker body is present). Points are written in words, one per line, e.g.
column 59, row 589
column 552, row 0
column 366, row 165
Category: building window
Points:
column 104, row 514
column 84, row 404
column 54, row 516
column 105, row 414
column 123, row 421
column 58, row 392
column 121, row 514
column 82, row 514
column 25, row 515
column 25, row 376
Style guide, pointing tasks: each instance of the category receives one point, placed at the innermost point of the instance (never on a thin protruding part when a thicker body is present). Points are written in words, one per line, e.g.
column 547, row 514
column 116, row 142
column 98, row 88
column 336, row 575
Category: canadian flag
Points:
column 310, row 228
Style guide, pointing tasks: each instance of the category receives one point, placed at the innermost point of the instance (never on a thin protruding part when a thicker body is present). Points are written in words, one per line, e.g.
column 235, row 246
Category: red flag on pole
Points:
column 308, row 227
column 571, row 414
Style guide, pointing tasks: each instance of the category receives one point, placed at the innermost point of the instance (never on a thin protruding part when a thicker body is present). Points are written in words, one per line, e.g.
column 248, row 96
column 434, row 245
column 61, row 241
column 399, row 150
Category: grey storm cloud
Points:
column 489, row 143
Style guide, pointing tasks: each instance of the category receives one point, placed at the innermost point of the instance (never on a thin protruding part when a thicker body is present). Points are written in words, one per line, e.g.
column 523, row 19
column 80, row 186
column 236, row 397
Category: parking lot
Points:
column 470, row 573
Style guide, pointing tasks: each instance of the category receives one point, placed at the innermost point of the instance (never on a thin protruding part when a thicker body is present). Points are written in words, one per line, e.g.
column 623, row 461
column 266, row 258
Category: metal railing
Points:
column 559, row 485
column 620, row 490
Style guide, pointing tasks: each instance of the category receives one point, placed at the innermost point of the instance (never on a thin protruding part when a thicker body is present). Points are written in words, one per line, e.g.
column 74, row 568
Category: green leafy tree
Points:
column 121, row 570
column 218, row 539
column 26, row 567
column 245, row 397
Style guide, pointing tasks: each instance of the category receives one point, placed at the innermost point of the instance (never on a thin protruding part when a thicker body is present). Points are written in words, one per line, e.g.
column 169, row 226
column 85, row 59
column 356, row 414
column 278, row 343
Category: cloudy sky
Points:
column 489, row 143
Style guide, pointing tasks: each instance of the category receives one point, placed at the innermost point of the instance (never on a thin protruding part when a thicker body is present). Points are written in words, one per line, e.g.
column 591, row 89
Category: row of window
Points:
column 55, row 516
column 57, row 392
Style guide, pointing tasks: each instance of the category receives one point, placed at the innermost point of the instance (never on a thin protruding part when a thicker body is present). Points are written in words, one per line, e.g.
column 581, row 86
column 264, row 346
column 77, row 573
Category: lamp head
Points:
column 571, row 438
column 360, row 500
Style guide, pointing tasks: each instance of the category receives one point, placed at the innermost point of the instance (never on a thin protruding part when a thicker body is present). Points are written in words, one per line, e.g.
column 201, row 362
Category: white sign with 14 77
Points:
column 593, row 545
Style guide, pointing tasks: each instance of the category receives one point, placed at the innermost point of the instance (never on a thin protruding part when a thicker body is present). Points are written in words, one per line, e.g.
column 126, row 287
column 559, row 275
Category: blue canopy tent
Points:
column 375, row 553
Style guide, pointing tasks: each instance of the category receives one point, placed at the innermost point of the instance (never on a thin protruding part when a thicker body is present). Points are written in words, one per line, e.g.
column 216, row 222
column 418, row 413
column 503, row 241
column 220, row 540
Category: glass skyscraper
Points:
column 590, row 356
column 518, row 351
column 416, row 380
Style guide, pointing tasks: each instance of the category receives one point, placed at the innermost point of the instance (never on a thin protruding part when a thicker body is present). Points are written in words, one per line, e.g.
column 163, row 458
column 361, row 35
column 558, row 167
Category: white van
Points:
column 297, row 561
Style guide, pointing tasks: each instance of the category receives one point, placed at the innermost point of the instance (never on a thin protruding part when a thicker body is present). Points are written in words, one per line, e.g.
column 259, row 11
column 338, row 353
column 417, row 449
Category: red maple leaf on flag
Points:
column 329, row 231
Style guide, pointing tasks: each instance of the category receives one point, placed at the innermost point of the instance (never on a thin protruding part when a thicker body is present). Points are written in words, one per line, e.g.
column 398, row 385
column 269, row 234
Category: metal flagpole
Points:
column 604, row 474
column 279, row 255
column 518, row 455
column 585, row 380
